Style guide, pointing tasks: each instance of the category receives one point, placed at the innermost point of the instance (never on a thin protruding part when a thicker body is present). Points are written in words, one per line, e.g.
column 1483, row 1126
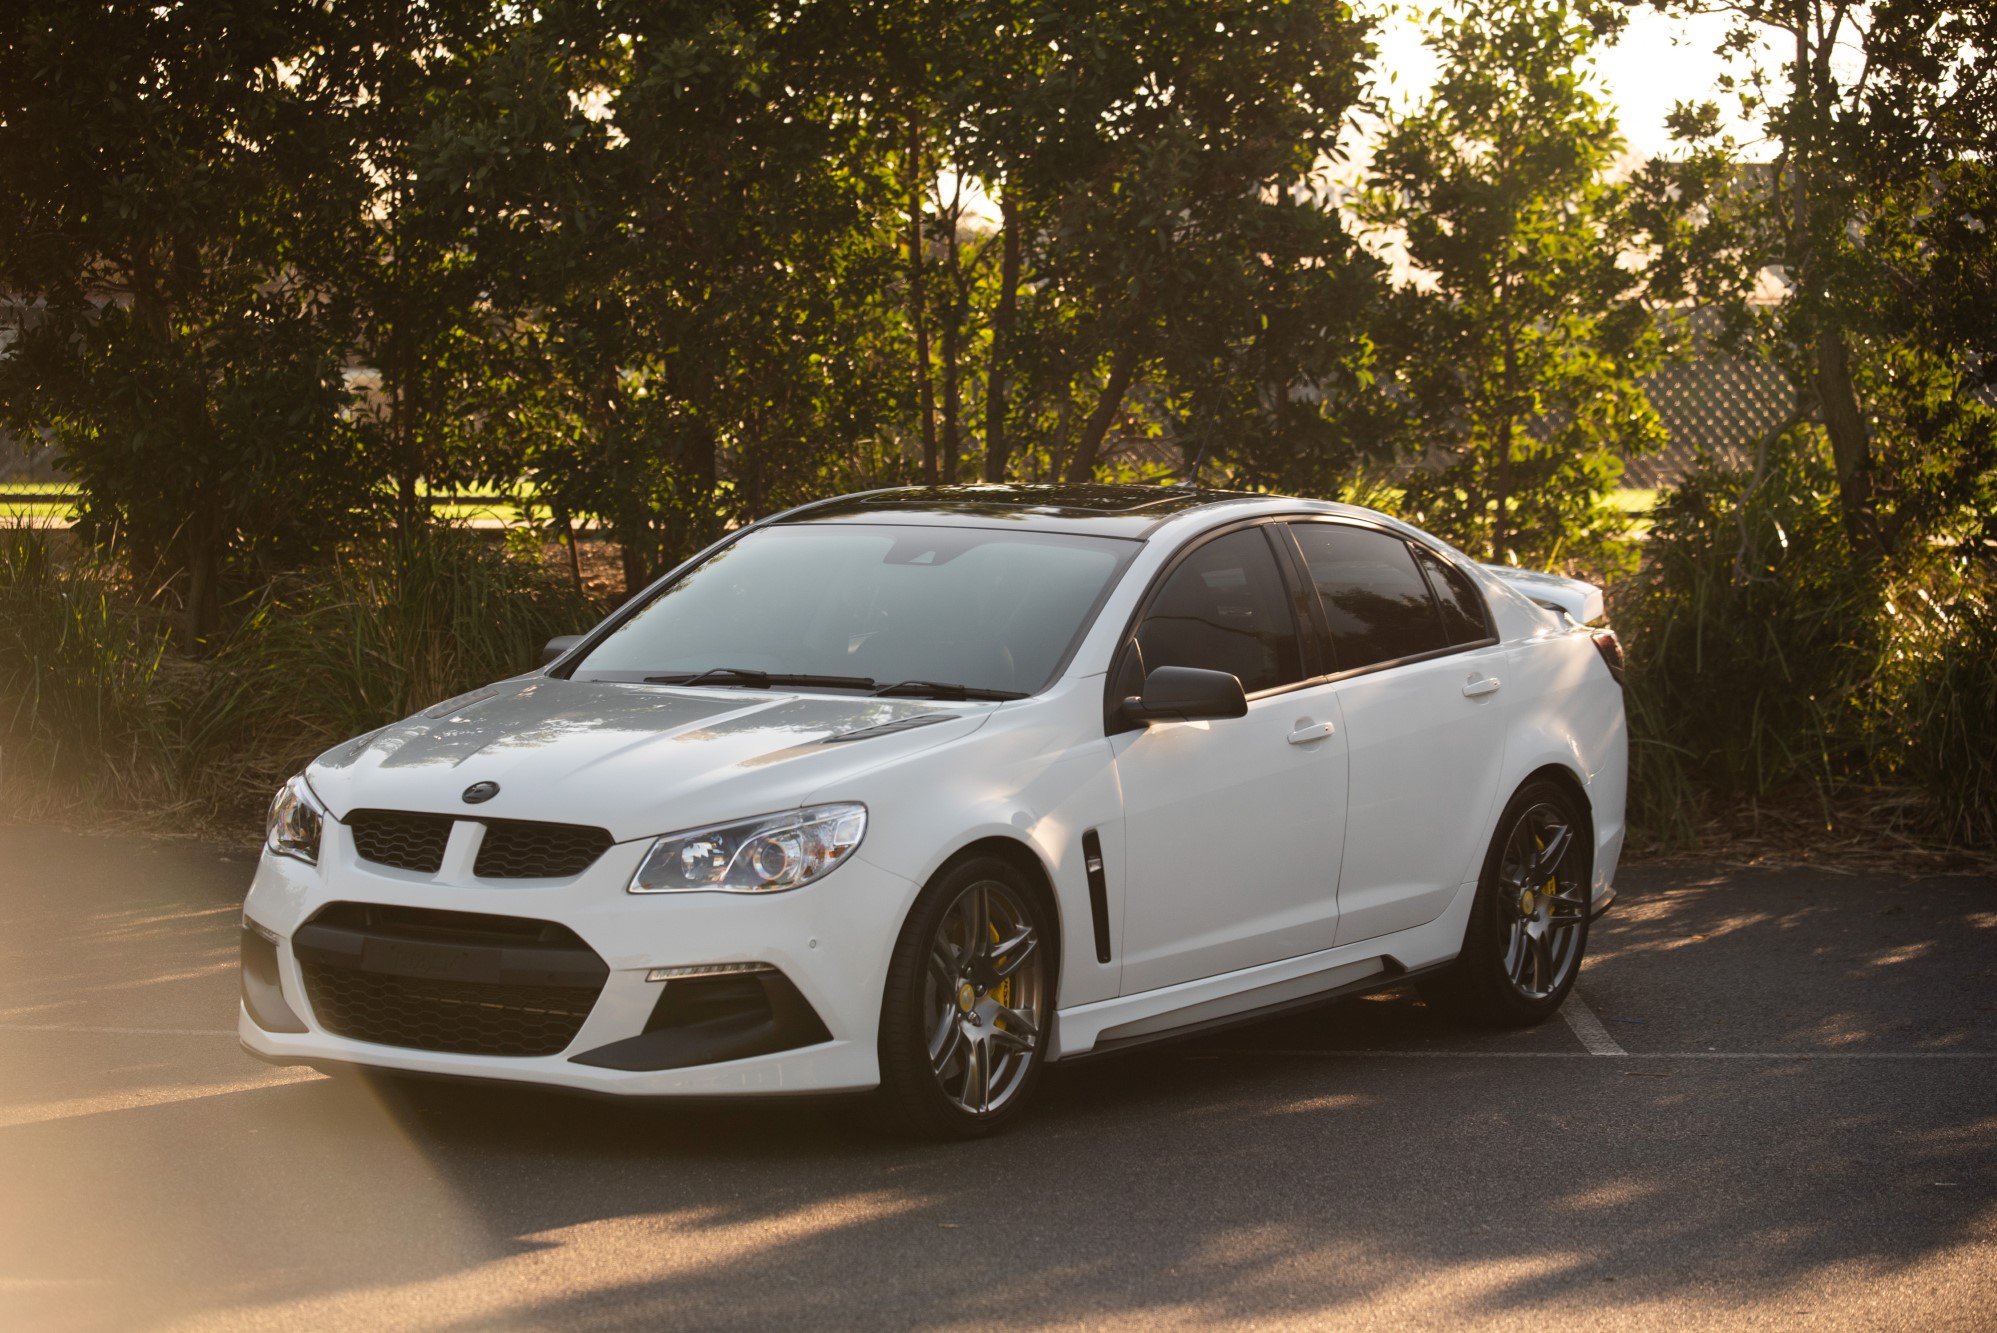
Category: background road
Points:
column 1801, row 1131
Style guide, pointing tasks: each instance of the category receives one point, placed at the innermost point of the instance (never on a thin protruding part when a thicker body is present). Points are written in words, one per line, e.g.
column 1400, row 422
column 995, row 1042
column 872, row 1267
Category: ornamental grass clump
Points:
column 102, row 716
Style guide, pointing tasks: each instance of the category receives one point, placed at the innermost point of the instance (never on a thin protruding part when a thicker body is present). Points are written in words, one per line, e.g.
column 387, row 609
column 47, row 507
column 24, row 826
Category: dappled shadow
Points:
column 1338, row 1166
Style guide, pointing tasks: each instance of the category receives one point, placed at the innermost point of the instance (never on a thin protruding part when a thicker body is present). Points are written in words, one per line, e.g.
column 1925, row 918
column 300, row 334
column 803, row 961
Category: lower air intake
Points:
column 462, row 982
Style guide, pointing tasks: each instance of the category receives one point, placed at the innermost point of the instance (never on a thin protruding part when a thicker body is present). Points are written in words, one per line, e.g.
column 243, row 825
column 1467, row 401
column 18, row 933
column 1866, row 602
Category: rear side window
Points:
column 1378, row 605
column 1225, row 609
column 1462, row 608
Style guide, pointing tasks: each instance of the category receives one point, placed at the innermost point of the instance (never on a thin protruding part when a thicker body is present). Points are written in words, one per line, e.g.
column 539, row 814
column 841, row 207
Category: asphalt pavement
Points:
column 1774, row 1105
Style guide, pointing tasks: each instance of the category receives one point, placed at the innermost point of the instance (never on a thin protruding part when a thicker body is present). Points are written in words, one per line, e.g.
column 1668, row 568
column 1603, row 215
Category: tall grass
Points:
column 1935, row 726
column 1768, row 656
column 98, row 713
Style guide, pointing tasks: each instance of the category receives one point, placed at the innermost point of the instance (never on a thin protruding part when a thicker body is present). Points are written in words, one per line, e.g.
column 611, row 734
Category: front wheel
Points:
column 1529, row 924
column 969, row 997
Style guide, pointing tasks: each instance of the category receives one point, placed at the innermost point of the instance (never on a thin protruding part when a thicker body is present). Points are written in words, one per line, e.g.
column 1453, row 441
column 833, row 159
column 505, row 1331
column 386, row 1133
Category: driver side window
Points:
column 1225, row 609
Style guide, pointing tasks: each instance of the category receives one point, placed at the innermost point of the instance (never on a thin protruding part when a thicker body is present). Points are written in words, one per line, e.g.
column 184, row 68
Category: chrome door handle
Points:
column 1311, row 731
column 1477, row 689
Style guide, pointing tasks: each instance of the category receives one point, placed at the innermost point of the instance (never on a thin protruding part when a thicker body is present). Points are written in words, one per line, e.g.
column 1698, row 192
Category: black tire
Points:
column 954, row 1005
column 1502, row 979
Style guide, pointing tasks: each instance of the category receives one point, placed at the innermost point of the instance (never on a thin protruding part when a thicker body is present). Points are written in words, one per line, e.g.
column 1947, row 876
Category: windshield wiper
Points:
column 759, row 680
column 943, row 689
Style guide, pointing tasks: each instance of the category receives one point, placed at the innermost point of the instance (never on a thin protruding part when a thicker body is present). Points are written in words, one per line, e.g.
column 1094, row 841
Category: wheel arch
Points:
column 1023, row 857
column 1563, row 776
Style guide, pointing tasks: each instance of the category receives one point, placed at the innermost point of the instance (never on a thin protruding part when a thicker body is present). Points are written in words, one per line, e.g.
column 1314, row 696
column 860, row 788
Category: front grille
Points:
column 512, row 849
column 396, row 838
column 518, row 849
column 446, row 1015
column 465, row 982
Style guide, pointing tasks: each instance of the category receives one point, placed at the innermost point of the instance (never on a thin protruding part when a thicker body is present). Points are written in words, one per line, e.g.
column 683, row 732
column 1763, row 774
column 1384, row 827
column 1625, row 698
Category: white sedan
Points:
column 922, row 790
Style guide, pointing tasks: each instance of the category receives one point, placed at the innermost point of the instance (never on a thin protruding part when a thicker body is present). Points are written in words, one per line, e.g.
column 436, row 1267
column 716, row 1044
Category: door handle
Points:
column 1477, row 689
column 1311, row 731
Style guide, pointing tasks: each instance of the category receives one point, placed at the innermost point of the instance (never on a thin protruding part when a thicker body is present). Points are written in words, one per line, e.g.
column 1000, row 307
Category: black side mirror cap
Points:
column 558, row 646
column 1187, row 694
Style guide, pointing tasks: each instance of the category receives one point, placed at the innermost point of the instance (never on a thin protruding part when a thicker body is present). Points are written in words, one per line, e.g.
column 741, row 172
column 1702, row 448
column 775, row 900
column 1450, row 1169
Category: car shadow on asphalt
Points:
column 1365, row 1163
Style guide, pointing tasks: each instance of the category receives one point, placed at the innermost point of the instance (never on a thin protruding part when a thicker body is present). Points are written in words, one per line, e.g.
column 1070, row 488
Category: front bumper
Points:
column 829, row 941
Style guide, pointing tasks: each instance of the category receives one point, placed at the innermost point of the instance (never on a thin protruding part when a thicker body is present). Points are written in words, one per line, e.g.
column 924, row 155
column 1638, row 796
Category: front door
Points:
column 1233, row 828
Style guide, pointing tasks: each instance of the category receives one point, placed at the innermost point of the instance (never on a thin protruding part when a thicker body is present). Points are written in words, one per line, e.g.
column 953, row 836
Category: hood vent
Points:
column 890, row 728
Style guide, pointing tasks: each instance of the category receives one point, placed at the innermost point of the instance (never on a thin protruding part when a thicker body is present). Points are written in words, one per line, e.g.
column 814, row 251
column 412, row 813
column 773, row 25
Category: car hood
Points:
column 638, row 760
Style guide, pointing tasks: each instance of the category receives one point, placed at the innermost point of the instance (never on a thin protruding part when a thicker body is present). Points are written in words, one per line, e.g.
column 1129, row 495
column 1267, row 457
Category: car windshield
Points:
column 974, row 612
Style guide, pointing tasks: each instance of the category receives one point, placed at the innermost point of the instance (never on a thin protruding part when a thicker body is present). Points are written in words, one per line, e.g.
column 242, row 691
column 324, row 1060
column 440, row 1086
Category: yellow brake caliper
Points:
column 1001, row 993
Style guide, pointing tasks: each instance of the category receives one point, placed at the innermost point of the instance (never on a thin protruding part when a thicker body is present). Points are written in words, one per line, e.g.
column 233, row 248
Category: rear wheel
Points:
column 1529, row 925
column 969, row 995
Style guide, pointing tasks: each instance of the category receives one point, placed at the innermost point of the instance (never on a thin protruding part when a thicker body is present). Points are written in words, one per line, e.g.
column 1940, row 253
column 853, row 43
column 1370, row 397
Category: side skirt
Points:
column 1267, row 988
column 1391, row 979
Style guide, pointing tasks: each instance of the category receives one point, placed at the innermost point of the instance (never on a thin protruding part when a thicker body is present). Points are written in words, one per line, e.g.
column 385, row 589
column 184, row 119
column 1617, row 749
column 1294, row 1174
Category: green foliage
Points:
column 1767, row 655
column 155, row 207
column 1519, row 341
column 1878, row 217
column 1937, row 705
column 79, row 666
column 1751, row 632
column 96, row 708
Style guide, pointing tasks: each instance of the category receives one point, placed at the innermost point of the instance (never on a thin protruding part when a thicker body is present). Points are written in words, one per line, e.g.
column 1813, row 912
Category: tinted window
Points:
column 1376, row 600
column 1462, row 608
column 1225, row 609
column 984, row 607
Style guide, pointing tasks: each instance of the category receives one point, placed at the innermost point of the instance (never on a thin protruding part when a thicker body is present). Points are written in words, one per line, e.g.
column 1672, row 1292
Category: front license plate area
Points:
column 436, row 962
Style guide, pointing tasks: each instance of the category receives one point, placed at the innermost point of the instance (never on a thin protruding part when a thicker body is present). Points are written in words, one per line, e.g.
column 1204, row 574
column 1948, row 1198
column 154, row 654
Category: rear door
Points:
column 1232, row 827
column 1420, row 685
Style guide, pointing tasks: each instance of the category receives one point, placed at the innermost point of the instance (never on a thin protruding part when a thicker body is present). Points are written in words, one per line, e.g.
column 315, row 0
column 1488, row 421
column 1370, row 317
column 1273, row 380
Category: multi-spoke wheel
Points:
column 1529, row 925
column 968, row 994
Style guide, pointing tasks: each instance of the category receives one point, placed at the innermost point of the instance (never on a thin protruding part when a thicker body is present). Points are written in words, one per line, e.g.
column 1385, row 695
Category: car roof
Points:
column 1101, row 510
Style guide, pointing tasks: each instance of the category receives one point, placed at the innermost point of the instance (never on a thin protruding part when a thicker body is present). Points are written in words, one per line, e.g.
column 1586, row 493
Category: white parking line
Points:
column 1588, row 1027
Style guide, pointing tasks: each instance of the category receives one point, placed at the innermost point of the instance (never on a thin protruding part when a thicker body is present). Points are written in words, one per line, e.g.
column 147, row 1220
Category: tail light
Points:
column 1611, row 649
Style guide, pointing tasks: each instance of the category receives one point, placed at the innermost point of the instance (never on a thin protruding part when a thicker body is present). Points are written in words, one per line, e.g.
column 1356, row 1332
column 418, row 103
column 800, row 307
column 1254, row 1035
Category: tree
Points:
column 1519, row 341
column 1881, row 221
column 1160, row 239
column 161, row 183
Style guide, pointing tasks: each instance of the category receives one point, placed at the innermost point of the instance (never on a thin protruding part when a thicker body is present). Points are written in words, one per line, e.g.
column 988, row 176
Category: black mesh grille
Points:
column 467, row 982
column 468, row 1018
column 516, row 849
column 405, row 841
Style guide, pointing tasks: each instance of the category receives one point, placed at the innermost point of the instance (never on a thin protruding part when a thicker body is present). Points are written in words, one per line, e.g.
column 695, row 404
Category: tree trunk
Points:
column 575, row 557
column 918, row 305
column 953, row 331
column 204, row 590
column 635, row 574
column 1851, row 450
column 997, row 451
column 1082, row 467
column 1501, row 488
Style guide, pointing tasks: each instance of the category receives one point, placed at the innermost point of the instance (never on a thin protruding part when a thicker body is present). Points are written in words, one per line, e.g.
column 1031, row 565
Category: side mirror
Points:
column 559, row 645
column 1187, row 694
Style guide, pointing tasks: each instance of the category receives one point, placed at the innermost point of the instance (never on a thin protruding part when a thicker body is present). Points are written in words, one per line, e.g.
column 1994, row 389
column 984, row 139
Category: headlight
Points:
column 762, row 855
column 295, row 822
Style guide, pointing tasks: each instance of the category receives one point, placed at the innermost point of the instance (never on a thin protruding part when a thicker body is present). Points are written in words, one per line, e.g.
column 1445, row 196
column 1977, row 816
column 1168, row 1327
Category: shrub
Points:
column 1935, row 725
column 1754, row 633
column 104, row 715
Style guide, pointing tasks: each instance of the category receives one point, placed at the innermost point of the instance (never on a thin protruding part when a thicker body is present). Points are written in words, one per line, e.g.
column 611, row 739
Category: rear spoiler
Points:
column 1581, row 601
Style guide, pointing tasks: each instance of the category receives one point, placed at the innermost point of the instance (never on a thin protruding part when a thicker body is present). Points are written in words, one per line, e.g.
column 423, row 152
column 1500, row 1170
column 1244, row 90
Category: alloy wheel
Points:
column 1543, row 904
column 983, row 995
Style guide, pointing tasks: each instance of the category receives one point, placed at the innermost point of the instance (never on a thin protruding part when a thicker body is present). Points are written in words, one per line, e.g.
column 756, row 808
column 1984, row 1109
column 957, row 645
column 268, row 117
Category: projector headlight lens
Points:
column 767, row 854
